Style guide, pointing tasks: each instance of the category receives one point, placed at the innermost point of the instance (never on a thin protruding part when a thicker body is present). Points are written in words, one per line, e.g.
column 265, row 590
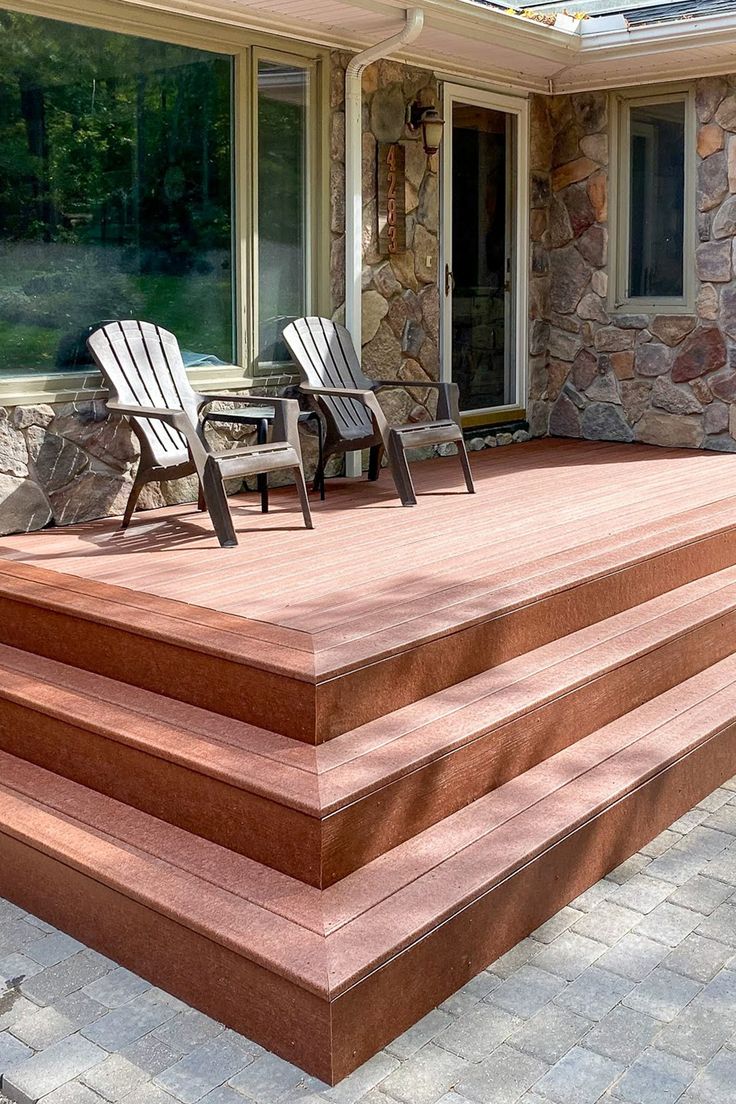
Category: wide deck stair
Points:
column 318, row 849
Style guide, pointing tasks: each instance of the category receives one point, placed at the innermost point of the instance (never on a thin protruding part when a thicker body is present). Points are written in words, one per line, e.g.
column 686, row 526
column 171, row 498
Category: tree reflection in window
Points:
column 115, row 190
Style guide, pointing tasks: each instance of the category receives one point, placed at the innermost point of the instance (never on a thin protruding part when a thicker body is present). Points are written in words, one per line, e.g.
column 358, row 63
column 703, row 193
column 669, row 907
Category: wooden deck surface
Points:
column 372, row 566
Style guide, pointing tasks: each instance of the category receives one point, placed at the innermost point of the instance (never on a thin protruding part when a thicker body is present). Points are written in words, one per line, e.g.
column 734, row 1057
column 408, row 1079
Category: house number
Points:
column 391, row 199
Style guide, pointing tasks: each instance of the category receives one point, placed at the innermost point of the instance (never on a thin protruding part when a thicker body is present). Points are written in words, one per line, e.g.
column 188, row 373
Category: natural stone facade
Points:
column 659, row 379
column 401, row 308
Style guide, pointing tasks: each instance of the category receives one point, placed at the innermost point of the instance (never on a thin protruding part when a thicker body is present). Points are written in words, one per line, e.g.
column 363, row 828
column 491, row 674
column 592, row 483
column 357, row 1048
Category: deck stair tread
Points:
column 395, row 900
column 320, row 779
column 510, row 589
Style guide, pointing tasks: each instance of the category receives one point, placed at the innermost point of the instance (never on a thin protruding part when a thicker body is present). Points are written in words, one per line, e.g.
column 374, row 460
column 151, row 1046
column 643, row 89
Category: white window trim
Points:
column 619, row 301
column 244, row 47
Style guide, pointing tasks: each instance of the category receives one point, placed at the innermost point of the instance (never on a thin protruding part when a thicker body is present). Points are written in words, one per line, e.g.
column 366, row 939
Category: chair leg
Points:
column 320, row 460
column 138, row 484
column 400, row 470
column 318, row 483
column 217, row 505
column 464, row 460
column 374, row 463
column 201, row 504
column 301, row 488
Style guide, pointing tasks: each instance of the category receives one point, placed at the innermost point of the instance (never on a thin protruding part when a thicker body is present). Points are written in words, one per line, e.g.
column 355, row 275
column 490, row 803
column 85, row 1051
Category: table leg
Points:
column 262, row 479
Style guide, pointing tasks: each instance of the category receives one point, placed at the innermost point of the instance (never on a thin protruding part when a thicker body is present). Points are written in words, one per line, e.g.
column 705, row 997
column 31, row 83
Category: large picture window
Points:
column 155, row 179
column 115, row 191
column 283, row 212
column 653, row 233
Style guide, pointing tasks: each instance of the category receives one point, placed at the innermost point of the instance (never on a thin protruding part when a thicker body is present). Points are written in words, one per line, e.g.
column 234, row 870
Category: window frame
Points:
column 245, row 47
column 619, row 299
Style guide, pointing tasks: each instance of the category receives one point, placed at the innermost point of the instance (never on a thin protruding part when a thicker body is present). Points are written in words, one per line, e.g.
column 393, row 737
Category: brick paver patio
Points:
column 627, row 995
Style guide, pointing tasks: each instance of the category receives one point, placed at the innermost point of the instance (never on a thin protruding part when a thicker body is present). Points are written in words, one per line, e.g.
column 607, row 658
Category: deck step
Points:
column 332, row 975
column 314, row 686
column 318, row 814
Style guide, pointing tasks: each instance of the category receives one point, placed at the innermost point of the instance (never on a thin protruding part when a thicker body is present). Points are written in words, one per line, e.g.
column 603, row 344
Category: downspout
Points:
column 354, row 179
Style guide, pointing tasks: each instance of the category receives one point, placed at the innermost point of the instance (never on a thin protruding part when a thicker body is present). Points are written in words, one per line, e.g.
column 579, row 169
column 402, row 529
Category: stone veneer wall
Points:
column 664, row 379
column 400, row 296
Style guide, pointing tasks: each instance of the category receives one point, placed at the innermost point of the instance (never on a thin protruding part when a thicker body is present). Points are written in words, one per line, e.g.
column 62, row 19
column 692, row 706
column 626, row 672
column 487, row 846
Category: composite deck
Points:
column 343, row 770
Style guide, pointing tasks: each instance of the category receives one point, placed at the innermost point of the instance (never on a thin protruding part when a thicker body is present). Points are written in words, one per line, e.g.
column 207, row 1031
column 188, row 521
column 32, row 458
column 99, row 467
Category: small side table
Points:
column 261, row 417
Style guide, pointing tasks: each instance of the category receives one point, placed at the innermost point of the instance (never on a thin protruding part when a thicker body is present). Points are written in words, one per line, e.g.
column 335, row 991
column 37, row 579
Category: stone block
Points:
column 675, row 400
column 712, row 181
column 570, row 275
column 526, row 991
column 426, row 1076
column 724, row 221
column 580, row 1077
column 711, row 138
column 725, row 113
column 569, row 955
column 656, row 1078
column 46, row 1071
column 23, row 505
column 713, row 262
column 623, row 1034
column 604, row 421
column 594, row 993
column 220, row 1060
column 709, row 93
column 663, row 994
column 12, row 1051
column 503, row 1077
column 124, row 1025
column 702, row 352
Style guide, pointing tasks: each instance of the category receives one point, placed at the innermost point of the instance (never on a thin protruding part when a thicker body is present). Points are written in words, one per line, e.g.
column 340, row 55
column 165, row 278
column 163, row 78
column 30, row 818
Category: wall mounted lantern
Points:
column 427, row 119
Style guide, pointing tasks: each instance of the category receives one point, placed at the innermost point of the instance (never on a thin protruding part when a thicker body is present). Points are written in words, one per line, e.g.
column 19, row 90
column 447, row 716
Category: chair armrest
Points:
column 448, row 401
column 162, row 413
column 361, row 394
column 177, row 419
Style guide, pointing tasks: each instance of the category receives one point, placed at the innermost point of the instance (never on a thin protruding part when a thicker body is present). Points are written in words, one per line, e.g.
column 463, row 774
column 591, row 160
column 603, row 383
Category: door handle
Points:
column 449, row 280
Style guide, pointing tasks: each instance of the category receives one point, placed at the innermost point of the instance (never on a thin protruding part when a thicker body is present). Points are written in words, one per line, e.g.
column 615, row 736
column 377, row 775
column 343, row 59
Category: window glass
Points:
column 283, row 91
column 657, row 200
column 115, row 191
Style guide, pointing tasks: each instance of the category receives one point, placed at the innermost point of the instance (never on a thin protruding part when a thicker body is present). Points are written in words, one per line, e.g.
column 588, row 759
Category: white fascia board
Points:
column 464, row 18
column 616, row 57
column 504, row 28
column 690, row 33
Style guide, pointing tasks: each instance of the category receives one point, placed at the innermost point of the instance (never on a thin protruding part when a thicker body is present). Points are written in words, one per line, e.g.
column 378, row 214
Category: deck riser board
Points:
column 315, row 712
column 372, row 826
column 331, row 1037
column 395, row 996
column 176, row 777
column 360, row 696
column 280, row 1015
column 273, row 834
column 247, row 693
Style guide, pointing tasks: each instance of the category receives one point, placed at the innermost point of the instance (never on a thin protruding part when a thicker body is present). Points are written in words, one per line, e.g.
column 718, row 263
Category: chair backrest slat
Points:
column 142, row 365
column 326, row 357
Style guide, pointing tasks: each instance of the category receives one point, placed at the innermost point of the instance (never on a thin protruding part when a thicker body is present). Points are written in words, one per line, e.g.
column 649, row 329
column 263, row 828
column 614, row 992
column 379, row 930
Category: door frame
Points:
column 518, row 107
